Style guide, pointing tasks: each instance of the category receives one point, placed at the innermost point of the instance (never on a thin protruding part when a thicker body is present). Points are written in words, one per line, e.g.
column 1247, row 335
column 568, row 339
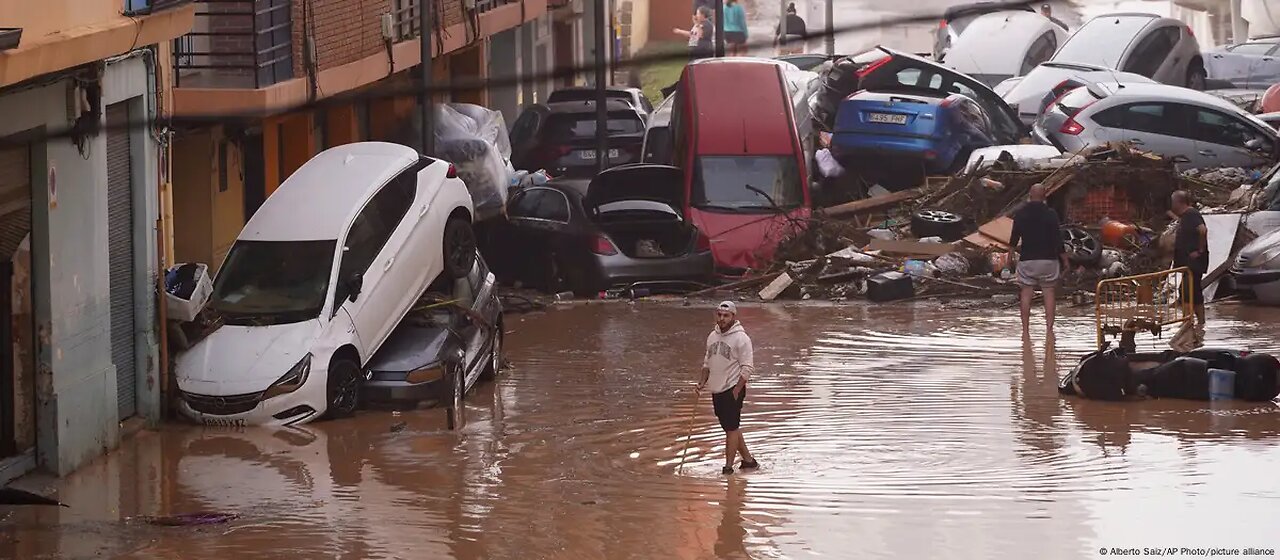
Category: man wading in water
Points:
column 726, row 366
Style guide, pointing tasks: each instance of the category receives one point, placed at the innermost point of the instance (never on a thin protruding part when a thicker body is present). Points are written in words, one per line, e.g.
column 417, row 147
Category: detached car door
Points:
column 370, row 250
column 1223, row 139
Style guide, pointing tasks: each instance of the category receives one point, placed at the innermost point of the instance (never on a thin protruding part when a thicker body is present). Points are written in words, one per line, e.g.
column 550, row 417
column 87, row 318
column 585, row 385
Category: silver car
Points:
column 1166, row 120
column 1251, row 65
column 1030, row 94
column 1258, row 268
column 957, row 18
column 1160, row 48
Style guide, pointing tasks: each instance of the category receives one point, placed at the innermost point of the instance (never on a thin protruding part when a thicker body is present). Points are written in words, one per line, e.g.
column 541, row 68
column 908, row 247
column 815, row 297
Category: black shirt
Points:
column 1187, row 241
column 795, row 26
column 1036, row 225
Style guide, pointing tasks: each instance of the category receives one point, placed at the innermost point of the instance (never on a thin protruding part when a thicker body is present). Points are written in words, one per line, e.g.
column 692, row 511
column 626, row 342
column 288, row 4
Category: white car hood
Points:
column 236, row 360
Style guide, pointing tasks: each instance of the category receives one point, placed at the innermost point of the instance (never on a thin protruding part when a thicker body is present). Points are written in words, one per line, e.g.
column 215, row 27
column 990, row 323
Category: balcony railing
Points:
column 407, row 16
column 236, row 44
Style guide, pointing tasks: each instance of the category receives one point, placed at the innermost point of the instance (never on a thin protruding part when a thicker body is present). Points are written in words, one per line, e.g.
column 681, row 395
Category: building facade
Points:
column 261, row 86
column 83, row 179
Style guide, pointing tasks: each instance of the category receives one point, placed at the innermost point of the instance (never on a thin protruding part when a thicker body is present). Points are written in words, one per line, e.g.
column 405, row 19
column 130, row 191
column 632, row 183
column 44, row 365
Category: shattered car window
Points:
column 273, row 282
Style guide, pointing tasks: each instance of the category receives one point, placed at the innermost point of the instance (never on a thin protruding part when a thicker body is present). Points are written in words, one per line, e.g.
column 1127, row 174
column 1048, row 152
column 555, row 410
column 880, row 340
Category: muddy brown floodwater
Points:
column 898, row 431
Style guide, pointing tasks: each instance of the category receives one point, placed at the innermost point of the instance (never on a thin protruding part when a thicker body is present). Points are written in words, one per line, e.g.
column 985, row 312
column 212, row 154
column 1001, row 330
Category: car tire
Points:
column 1082, row 247
column 1197, row 77
column 937, row 223
column 459, row 248
column 494, row 367
column 457, row 396
column 342, row 393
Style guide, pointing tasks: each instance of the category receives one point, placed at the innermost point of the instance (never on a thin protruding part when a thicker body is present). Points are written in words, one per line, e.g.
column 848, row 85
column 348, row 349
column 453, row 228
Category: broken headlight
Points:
column 291, row 381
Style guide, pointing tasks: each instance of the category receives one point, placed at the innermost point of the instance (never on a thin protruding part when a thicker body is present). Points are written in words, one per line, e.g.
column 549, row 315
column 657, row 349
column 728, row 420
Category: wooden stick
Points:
column 729, row 286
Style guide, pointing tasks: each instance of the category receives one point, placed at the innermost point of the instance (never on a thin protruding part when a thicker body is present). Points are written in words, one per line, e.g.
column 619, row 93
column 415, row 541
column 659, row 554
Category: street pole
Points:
column 719, row 27
column 602, row 113
column 424, row 98
column 831, row 28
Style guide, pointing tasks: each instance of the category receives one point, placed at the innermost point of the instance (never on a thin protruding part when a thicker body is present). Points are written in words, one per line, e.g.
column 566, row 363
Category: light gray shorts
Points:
column 1042, row 274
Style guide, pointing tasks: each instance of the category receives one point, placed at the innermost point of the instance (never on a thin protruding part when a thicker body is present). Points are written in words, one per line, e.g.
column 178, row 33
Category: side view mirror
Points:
column 354, row 285
column 1253, row 144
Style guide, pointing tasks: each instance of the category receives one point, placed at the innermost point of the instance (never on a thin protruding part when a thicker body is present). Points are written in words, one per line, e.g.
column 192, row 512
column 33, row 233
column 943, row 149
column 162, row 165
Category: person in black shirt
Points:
column 1041, row 258
column 1191, row 248
column 790, row 35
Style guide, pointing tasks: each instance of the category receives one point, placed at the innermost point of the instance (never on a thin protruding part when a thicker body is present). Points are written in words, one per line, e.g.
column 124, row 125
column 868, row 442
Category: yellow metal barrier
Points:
column 1146, row 302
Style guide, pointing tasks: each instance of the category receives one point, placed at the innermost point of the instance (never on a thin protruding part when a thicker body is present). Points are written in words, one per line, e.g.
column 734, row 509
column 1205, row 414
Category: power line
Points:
column 391, row 91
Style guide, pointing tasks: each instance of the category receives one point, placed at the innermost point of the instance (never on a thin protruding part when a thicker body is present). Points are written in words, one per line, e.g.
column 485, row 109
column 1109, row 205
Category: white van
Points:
column 318, row 279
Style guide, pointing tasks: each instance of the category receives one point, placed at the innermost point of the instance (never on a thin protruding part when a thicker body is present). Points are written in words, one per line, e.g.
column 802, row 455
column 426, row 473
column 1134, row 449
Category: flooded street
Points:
column 900, row 431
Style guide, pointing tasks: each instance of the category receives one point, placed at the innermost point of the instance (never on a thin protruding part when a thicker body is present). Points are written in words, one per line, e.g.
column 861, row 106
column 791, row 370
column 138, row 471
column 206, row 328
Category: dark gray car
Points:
column 453, row 334
column 1251, row 65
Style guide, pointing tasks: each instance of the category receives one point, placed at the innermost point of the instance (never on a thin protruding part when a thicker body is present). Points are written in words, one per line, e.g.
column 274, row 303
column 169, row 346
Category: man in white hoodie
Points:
column 726, row 367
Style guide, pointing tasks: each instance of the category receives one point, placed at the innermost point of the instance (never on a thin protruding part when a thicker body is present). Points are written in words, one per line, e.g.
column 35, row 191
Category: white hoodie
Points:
column 728, row 357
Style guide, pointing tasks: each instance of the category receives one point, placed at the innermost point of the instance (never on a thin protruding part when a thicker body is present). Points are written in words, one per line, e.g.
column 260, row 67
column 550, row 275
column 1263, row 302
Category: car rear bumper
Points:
column 849, row 145
column 618, row 270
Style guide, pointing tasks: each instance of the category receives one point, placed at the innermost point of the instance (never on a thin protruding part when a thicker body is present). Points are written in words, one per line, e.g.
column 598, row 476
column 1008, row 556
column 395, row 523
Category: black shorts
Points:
column 735, row 37
column 1197, row 287
column 729, row 409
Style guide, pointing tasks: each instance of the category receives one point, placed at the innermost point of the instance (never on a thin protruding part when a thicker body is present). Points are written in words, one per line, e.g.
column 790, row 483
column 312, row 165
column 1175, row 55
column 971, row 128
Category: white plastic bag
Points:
column 185, row 310
column 478, row 160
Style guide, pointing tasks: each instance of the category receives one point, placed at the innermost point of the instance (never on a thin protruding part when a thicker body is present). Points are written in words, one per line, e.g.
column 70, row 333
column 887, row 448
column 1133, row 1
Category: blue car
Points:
column 887, row 130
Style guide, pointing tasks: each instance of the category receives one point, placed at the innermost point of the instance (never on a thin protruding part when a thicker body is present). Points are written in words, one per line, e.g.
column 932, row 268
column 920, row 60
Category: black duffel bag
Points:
column 1257, row 377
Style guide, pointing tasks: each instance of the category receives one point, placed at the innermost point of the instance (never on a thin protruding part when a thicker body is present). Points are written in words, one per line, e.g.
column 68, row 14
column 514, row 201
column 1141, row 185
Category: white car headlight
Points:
column 291, row 381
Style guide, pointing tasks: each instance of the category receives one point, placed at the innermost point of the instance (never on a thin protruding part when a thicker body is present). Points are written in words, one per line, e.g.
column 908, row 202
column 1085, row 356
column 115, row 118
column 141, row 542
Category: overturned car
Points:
column 1203, row 374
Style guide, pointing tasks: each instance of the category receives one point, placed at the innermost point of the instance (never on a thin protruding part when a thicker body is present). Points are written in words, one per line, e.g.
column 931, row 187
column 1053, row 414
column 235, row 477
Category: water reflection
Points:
column 911, row 431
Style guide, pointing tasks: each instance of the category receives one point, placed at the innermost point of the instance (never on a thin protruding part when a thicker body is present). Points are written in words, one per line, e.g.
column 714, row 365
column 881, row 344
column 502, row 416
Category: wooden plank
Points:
column 999, row 229
column 872, row 203
column 910, row 248
column 981, row 241
column 775, row 288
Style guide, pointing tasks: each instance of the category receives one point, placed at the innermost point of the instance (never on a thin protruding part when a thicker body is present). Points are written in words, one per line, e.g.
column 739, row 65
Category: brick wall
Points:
column 344, row 30
column 222, row 47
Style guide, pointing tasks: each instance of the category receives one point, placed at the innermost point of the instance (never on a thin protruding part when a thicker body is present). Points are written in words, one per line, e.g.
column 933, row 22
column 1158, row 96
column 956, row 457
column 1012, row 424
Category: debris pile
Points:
column 950, row 237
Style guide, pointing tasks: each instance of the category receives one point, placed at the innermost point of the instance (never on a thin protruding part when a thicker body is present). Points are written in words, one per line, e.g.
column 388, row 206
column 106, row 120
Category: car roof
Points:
column 588, row 106
column 984, row 7
column 1164, row 92
column 318, row 200
column 753, row 120
column 982, row 53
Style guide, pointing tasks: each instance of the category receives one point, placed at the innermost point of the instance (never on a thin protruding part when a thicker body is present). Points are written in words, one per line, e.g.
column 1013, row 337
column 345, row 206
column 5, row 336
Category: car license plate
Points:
column 887, row 118
column 223, row 422
column 591, row 154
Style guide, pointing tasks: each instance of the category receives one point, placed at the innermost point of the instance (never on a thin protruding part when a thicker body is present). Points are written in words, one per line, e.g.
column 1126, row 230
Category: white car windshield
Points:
column 741, row 183
column 1102, row 41
column 273, row 282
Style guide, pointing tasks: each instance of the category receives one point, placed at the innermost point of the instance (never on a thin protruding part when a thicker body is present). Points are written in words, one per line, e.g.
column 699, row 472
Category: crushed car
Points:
column 1003, row 45
column 1257, row 268
column 626, row 226
column 561, row 137
column 1163, row 49
column 1165, row 120
column 319, row 278
column 450, row 341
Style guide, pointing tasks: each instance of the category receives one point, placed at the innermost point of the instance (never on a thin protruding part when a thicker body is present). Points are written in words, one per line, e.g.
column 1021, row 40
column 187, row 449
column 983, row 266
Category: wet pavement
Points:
column 898, row 431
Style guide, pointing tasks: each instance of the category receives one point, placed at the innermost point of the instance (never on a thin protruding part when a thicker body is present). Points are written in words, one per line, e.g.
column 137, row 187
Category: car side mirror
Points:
column 354, row 285
column 1253, row 144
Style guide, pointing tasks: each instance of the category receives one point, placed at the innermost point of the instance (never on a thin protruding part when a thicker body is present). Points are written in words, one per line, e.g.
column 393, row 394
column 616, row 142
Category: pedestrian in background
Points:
column 735, row 27
column 726, row 367
column 791, row 33
column 1191, row 249
column 700, row 35
column 1041, row 256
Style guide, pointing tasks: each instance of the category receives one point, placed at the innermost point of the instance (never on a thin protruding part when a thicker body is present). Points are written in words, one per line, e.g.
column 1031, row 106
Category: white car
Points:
column 1030, row 94
column 1166, row 120
column 319, row 278
column 1160, row 48
column 1003, row 45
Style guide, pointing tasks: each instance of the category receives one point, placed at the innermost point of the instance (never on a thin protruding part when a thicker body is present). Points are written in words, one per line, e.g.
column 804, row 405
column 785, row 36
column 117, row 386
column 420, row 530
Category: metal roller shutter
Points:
column 120, row 256
column 15, row 199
